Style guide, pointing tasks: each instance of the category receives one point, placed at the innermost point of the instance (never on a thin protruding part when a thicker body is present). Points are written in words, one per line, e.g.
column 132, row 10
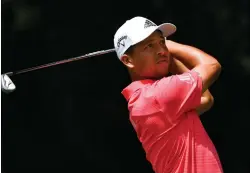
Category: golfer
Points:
column 168, row 92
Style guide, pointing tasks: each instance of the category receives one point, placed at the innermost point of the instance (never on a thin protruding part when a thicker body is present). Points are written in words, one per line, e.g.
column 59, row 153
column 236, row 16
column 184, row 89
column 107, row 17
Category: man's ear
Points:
column 127, row 61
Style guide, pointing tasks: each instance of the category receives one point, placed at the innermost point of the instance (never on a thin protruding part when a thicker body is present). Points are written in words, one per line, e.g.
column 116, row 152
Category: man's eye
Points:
column 150, row 45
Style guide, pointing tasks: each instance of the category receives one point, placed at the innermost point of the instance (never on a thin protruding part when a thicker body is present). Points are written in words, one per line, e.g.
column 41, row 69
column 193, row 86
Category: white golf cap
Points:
column 136, row 30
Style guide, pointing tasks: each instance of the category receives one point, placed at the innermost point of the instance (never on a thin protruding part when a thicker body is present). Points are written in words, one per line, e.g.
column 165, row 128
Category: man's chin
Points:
column 163, row 73
column 169, row 74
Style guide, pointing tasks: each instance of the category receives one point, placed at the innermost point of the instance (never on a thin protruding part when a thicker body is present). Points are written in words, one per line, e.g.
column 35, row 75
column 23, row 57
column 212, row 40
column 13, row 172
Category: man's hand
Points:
column 7, row 86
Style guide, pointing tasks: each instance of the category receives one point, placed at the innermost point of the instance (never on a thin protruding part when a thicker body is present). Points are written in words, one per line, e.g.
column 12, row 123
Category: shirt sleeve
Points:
column 178, row 94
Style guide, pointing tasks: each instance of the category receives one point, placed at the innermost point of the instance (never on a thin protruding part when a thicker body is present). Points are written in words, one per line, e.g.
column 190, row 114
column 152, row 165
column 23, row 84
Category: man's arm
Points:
column 206, row 65
column 207, row 99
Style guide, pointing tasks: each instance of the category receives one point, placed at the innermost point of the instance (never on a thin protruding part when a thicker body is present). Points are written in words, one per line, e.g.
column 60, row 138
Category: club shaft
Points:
column 60, row 62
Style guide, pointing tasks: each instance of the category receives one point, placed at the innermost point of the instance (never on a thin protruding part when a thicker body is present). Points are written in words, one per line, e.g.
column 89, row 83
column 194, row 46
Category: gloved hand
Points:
column 7, row 86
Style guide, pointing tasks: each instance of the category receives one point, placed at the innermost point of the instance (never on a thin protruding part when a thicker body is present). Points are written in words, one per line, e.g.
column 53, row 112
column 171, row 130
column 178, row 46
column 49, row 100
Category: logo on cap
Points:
column 148, row 23
column 121, row 41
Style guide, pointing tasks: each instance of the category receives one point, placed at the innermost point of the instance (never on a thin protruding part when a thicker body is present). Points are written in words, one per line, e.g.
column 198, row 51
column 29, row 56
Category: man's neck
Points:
column 134, row 76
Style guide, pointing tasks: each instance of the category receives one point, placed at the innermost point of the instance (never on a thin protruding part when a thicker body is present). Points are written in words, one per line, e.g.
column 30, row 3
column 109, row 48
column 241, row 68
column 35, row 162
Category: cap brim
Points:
column 167, row 29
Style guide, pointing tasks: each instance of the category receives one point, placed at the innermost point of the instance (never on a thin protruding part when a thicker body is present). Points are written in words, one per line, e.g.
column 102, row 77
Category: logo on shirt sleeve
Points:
column 186, row 77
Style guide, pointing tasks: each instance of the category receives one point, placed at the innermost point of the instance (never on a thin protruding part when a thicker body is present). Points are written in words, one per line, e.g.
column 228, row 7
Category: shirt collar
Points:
column 131, row 88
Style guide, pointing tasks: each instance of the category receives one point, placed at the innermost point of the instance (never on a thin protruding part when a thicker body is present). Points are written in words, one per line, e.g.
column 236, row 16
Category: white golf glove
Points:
column 7, row 86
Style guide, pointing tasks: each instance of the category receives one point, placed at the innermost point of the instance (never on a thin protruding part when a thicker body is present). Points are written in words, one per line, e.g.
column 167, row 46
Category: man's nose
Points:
column 161, row 51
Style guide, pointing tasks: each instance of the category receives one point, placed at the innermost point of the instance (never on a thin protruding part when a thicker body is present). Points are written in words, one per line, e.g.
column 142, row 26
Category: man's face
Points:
column 150, row 58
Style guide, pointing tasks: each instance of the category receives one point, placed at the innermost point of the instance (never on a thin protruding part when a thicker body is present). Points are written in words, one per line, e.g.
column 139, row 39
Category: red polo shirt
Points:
column 164, row 117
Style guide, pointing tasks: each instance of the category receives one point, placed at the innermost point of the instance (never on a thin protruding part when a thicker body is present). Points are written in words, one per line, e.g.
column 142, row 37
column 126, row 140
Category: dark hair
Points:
column 130, row 50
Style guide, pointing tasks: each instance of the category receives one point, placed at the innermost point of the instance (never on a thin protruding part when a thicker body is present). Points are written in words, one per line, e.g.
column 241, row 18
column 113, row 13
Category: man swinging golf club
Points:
column 164, row 110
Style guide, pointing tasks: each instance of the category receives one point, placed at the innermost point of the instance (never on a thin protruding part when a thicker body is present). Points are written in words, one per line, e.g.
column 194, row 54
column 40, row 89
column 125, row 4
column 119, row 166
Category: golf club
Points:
column 60, row 62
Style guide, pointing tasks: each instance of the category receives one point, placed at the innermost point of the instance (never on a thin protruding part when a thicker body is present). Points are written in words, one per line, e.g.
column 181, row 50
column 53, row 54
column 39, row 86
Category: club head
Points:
column 7, row 86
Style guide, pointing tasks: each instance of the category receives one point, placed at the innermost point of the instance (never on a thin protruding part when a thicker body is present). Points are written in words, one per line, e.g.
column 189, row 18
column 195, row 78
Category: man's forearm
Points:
column 177, row 67
column 188, row 55
column 207, row 66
